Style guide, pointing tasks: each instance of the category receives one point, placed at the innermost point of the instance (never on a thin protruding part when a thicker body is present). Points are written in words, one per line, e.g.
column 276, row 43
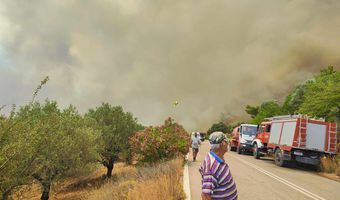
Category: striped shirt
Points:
column 217, row 180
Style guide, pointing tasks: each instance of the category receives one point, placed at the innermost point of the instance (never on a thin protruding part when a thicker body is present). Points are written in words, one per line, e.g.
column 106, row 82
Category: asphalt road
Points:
column 262, row 179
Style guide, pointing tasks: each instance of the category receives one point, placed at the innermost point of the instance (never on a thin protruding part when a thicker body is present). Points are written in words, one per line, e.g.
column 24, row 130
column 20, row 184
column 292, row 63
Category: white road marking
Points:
column 289, row 184
column 186, row 183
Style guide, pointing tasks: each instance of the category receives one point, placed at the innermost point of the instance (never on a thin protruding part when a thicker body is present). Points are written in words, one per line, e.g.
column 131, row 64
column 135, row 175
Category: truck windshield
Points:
column 249, row 130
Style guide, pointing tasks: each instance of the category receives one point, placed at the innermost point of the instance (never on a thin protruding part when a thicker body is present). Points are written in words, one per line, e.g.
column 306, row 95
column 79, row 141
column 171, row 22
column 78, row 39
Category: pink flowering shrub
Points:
column 160, row 143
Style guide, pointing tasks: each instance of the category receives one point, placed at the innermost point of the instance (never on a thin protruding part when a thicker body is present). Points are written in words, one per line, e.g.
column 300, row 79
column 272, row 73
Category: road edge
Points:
column 330, row 176
column 186, row 182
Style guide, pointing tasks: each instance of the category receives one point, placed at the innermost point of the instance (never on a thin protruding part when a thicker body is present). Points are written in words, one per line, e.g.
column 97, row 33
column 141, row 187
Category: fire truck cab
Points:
column 260, row 142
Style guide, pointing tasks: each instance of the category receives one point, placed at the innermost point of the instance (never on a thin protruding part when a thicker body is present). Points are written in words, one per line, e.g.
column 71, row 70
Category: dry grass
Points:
column 337, row 171
column 331, row 165
column 337, row 158
column 161, row 181
column 165, row 185
column 153, row 182
column 75, row 189
column 328, row 165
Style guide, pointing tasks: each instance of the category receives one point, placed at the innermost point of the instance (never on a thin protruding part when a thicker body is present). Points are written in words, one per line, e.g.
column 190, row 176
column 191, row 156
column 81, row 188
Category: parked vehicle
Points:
column 295, row 138
column 242, row 137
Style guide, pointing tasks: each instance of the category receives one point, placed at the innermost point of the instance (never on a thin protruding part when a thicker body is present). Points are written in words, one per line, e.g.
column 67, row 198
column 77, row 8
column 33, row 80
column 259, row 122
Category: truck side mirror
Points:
column 238, row 129
column 257, row 128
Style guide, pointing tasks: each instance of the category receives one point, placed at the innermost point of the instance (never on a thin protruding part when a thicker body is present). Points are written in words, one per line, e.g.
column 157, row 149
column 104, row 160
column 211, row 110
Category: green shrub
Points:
column 160, row 143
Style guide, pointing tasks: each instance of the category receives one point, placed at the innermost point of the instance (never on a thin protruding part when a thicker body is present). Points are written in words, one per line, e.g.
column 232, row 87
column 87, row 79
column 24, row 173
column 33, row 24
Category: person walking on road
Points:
column 195, row 142
column 217, row 180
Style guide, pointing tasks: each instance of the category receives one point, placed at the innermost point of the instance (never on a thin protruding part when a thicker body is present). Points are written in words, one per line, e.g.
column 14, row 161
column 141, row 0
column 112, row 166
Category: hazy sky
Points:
column 213, row 56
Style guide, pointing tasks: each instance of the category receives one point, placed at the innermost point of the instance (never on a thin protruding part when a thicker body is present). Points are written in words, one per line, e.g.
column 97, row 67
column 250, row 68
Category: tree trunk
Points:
column 46, row 191
column 6, row 194
column 109, row 168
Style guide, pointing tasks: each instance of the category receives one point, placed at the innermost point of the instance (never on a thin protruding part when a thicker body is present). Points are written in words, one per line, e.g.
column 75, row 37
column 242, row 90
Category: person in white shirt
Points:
column 195, row 142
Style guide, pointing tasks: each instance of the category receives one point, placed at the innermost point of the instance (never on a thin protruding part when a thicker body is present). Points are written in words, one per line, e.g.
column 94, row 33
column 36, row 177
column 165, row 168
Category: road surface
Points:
column 262, row 179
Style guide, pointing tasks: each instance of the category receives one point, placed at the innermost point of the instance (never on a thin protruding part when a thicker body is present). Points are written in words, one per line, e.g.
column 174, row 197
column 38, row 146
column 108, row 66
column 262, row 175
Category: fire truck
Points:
column 295, row 138
column 242, row 136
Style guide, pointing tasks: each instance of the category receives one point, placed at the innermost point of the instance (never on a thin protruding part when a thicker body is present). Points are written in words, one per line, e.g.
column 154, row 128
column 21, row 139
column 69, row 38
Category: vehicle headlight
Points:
column 243, row 140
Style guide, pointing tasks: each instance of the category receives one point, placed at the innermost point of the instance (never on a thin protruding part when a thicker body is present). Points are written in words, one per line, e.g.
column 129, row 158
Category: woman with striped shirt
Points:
column 217, row 180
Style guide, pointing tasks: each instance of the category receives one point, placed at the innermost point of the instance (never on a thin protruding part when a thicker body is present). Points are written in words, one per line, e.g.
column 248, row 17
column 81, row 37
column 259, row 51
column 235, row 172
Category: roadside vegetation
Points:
column 160, row 143
column 149, row 182
column 43, row 146
column 220, row 126
column 133, row 182
column 318, row 97
column 331, row 165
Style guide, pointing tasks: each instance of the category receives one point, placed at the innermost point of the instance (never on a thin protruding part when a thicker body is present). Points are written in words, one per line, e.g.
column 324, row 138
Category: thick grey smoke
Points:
column 212, row 56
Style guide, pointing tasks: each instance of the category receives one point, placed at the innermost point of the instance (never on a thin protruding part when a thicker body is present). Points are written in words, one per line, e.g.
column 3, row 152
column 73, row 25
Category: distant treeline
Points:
column 318, row 97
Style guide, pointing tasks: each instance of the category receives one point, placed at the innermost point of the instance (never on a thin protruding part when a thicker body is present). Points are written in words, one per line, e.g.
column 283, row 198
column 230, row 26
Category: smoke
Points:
column 212, row 56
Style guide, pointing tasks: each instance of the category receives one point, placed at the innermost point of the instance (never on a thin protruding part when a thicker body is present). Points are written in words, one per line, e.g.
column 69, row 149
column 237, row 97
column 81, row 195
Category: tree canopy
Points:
column 160, row 143
column 318, row 97
column 220, row 126
column 115, row 126
column 267, row 109
column 322, row 96
column 44, row 143
column 63, row 145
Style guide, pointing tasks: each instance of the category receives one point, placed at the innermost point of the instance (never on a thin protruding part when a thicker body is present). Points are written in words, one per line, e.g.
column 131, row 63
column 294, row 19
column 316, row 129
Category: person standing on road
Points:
column 217, row 180
column 195, row 142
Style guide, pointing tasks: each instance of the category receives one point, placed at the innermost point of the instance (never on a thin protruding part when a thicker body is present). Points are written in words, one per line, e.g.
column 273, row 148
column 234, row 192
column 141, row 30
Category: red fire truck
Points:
column 295, row 138
column 242, row 136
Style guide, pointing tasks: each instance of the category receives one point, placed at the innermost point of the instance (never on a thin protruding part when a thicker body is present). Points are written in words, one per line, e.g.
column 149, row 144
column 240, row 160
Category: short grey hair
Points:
column 214, row 146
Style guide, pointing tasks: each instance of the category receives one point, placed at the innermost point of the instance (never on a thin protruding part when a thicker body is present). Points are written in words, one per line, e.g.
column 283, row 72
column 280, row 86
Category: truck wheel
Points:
column 279, row 161
column 239, row 150
column 256, row 152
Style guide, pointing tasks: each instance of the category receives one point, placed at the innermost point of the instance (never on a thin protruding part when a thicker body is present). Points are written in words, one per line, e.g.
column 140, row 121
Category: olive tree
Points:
column 16, row 150
column 16, row 153
column 63, row 145
column 116, row 126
